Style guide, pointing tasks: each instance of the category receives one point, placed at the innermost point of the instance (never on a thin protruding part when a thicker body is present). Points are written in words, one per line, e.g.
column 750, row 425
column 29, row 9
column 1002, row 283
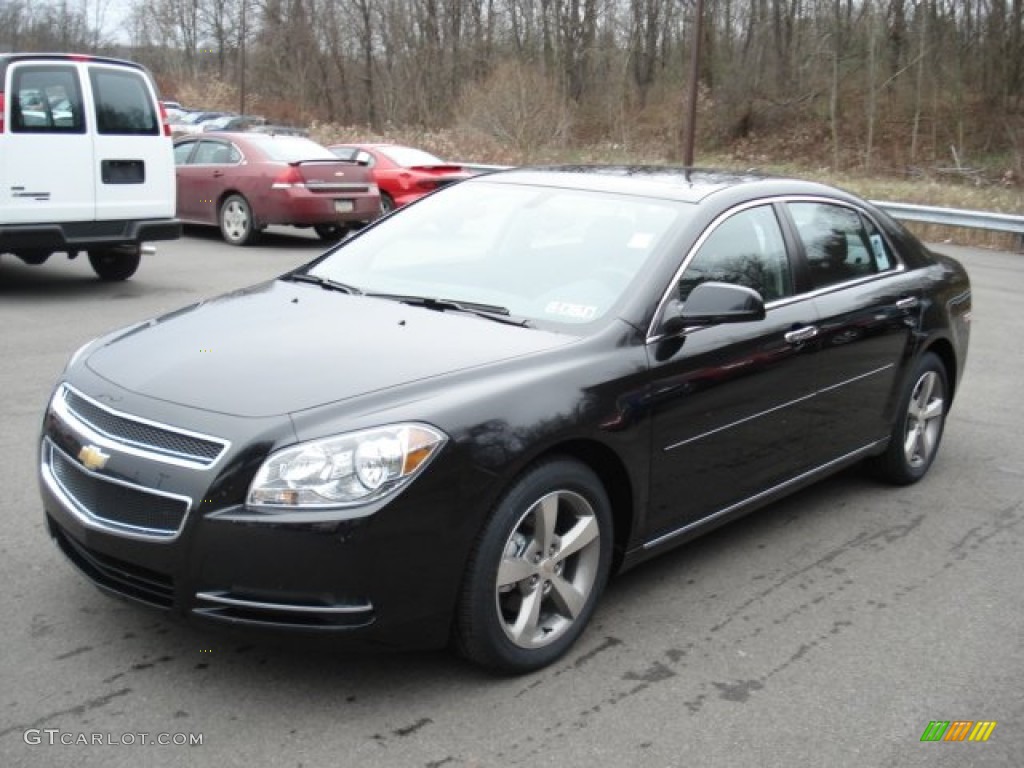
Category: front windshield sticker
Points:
column 575, row 311
column 881, row 256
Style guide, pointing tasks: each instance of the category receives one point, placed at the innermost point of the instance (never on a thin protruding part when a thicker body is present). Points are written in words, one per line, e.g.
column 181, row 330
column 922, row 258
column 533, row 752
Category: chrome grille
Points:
column 158, row 441
column 115, row 505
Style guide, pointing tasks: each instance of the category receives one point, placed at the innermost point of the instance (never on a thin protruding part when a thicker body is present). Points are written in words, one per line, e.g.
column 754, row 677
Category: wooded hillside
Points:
column 886, row 85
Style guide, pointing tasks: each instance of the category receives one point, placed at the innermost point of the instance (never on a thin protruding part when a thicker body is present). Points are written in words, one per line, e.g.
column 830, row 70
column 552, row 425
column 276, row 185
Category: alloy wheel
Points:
column 548, row 570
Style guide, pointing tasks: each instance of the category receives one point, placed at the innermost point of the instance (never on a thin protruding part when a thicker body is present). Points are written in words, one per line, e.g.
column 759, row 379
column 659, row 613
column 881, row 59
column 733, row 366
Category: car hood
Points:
column 282, row 347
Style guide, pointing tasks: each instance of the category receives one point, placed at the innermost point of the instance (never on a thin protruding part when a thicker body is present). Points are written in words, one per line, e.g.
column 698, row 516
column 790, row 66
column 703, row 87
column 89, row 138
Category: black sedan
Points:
column 457, row 423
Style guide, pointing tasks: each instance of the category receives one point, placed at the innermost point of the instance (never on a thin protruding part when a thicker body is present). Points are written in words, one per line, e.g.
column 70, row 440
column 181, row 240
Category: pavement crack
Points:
column 78, row 709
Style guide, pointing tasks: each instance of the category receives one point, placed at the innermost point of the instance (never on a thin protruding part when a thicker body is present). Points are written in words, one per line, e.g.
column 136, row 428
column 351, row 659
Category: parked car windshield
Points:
column 290, row 149
column 409, row 157
column 551, row 254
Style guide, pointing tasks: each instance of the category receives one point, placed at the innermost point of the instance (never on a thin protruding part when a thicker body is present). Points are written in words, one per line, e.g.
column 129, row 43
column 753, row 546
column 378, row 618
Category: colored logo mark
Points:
column 958, row 730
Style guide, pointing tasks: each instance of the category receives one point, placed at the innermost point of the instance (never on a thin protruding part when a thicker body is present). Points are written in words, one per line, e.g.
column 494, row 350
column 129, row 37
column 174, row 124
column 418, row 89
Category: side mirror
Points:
column 712, row 303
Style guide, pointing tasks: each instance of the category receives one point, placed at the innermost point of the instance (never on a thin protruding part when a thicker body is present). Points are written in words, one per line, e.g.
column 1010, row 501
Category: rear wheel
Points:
column 919, row 424
column 538, row 569
column 330, row 232
column 236, row 221
column 33, row 258
column 114, row 264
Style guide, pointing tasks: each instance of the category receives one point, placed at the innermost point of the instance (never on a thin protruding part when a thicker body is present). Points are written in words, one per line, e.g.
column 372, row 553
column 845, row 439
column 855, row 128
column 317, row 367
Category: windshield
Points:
column 291, row 149
column 558, row 255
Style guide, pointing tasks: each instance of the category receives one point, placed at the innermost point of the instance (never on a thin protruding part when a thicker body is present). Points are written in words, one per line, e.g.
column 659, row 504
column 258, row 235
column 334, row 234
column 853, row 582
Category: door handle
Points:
column 800, row 335
column 218, row 174
column 907, row 302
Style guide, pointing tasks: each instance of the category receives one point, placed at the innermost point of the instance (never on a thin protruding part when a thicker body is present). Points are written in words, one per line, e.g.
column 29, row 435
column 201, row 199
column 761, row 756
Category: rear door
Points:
column 47, row 159
column 870, row 309
column 134, row 163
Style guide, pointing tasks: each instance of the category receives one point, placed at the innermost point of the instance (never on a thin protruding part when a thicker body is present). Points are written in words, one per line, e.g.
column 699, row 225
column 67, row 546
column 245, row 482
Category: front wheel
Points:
column 538, row 569
column 387, row 203
column 919, row 423
column 236, row 221
column 112, row 264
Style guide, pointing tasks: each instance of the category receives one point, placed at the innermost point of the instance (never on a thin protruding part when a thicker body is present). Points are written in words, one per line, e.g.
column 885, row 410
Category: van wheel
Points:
column 537, row 570
column 236, row 224
column 115, row 263
column 33, row 258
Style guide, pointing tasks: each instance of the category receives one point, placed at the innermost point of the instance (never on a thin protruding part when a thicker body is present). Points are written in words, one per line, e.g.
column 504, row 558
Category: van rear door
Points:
column 46, row 158
column 134, row 178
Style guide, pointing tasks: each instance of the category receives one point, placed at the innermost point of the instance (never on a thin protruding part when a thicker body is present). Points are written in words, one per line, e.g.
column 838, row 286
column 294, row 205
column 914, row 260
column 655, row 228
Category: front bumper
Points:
column 156, row 530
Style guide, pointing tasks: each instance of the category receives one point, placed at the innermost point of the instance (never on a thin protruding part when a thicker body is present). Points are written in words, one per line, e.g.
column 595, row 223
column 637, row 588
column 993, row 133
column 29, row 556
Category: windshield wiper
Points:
column 488, row 311
column 324, row 282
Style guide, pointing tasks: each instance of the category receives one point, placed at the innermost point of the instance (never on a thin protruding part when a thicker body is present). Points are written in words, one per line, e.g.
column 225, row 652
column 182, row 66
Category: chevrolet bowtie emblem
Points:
column 92, row 457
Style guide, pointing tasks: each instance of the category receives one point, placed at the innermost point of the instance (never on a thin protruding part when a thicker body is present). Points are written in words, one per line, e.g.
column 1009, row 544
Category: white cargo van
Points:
column 86, row 161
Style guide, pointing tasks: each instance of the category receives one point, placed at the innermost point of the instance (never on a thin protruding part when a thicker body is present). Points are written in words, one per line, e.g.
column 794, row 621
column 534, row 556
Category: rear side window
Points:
column 124, row 105
column 46, row 99
column 839, row 243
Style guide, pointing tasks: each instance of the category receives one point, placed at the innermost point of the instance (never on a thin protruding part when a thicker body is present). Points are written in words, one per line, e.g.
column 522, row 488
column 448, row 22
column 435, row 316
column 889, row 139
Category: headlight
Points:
column 345, row 470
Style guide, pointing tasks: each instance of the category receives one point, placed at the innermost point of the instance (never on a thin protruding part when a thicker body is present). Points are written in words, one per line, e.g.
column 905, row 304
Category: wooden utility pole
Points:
column 241, row 58
column 690, row 118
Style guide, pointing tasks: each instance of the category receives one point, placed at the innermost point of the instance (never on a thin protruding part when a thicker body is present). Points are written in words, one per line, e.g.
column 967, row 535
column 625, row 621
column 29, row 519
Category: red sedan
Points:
column 403, row 174
column 244, row 182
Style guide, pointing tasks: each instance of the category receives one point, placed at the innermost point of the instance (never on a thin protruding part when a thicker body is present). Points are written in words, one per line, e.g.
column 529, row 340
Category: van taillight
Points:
column 289, row 177
column 163, row 120
column 1, row 112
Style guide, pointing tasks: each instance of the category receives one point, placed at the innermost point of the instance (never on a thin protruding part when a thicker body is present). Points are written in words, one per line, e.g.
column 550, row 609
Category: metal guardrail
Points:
column 949, row 217
column 480, row 167
column 956, row 217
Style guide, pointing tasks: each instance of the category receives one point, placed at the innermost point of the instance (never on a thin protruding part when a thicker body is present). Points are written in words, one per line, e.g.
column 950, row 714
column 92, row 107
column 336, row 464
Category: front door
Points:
column 731, row 406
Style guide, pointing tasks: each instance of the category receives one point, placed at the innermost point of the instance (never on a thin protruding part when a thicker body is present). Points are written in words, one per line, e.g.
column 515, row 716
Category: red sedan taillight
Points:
column 288, row 178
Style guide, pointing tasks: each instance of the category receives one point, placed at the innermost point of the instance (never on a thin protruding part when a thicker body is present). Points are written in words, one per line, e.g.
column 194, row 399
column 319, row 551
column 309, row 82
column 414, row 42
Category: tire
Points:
column 529, row 590
column 387, row 203
column 236, row 221
column 919, row 423
column 33, row 258
column 330, row 232
column 112, row 264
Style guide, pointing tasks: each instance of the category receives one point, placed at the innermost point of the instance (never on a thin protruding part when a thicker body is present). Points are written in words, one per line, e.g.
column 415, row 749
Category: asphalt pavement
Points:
column 826, row 630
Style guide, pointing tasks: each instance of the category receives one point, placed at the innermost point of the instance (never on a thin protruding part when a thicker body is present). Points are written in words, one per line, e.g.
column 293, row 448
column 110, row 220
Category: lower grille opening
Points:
column 116, row 575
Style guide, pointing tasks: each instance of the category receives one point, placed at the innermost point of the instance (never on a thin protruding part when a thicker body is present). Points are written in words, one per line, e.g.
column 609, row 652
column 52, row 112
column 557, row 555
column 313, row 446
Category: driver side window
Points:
column 746, row 249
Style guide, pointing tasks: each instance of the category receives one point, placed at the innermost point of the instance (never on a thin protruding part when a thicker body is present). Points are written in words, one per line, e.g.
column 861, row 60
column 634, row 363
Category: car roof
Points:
column 6, row 59
column 690, row 185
